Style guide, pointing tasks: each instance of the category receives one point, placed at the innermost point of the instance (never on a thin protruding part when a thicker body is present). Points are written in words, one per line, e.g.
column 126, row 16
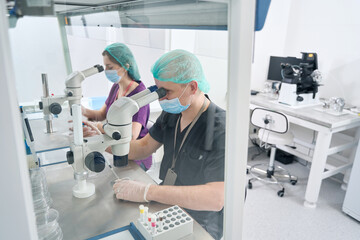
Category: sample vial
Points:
column 146, row 212
column 153, row 224
column 142, row 216
column 161, row 219
column 149, row 221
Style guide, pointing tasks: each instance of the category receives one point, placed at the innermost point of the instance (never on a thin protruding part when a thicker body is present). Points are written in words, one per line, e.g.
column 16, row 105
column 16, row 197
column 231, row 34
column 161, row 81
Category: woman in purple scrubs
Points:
column 122, row 70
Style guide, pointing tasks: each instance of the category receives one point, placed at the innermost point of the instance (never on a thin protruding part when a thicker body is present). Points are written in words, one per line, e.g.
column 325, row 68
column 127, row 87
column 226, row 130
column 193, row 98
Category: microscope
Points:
column 73, row 93
column 299, row 84
column 85, row 154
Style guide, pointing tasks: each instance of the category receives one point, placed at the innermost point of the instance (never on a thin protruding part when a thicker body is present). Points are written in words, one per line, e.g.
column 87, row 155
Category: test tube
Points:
column 146, row 210
column 161, row 218
column 153, row 224
column 141, row 209
column 149, row 221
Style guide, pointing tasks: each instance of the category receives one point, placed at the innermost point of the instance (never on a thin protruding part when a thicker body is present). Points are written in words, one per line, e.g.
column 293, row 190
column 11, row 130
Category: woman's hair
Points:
column 119, row 53
column 112, row 59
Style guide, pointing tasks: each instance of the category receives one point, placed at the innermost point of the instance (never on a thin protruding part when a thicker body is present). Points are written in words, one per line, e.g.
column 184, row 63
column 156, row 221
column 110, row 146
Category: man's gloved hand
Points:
column 131, row 190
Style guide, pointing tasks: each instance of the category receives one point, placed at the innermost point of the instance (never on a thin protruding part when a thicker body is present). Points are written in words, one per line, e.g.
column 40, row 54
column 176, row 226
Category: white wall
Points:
column 270, row 41
column 211, row 48
column 331, row 29
column 36, row 48
column 328, row 27
column 147, row 46
column 87, row 44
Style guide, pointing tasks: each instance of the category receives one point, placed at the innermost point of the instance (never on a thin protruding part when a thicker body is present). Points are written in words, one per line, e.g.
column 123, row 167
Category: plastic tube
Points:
column 141, row 209
column 146, row 211
column 153, row 224
column 161, row 219
column 149, row 220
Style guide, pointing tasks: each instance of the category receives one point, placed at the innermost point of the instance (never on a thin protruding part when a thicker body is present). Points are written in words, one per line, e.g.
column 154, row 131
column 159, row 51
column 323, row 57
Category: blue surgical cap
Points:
column 180, row 66
column 123, row 56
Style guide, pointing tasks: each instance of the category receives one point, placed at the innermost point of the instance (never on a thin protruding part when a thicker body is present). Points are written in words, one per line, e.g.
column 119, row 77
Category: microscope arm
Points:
column 118, row 133
column 119, row 117
column 73, row 92
column 122, row 110
column 86, row 153
column 74, row 79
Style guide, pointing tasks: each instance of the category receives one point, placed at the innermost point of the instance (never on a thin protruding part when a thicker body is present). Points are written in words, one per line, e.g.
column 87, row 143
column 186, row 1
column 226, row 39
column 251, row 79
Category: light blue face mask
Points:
column 173, row 105
column 112, row 76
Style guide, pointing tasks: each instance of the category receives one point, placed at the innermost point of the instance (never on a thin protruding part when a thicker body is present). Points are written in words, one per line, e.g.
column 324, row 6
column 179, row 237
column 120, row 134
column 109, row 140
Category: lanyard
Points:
column 126, row 90
column 186, row 134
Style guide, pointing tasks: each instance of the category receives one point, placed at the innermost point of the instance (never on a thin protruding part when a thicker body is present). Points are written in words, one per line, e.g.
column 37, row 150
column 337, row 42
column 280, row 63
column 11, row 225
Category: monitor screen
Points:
column 274, row 73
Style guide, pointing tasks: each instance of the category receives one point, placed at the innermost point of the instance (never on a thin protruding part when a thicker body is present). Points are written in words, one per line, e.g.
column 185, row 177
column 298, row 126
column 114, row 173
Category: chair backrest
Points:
column 269, row 120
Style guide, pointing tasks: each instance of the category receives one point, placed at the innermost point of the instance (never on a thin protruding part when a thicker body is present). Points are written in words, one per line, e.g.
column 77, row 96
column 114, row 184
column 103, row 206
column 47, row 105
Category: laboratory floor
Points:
column 270, row 217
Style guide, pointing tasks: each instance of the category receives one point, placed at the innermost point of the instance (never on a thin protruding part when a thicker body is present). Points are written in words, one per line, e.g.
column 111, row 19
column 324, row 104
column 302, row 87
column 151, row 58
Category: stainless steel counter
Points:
column 102, row 212
column 51, row 141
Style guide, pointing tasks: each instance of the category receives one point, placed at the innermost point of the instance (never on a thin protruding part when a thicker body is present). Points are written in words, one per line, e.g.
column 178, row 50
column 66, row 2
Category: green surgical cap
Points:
column 180, row 66
column 123, row 56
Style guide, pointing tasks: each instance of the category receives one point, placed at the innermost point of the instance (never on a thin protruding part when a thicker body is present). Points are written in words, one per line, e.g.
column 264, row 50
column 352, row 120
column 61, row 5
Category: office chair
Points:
column 273, row 131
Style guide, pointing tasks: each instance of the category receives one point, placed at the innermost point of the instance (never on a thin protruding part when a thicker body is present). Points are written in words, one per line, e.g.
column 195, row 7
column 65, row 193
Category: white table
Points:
column 330, row 141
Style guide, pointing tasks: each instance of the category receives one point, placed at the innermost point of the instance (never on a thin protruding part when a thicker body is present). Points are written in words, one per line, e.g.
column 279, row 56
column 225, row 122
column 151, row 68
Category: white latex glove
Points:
column 90, row 129
column 131, row 190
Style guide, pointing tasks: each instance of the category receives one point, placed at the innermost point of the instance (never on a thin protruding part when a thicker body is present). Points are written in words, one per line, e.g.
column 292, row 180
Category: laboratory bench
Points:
column 332, row 139
column 59, row 139
column 102, row 212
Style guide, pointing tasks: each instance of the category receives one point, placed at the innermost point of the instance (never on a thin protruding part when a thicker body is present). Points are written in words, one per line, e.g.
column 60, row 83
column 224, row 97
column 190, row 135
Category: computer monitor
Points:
column 274, row 73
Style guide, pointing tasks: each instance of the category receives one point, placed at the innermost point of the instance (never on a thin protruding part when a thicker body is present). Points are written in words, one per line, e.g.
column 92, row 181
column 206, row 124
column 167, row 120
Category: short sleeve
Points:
column 215, row 162
column 157, row 130
column 112, row 95
column 142, row 115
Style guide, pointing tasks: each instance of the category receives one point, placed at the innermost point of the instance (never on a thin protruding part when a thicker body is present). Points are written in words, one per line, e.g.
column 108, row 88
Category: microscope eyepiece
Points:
column 161, row 92
column 99, row 67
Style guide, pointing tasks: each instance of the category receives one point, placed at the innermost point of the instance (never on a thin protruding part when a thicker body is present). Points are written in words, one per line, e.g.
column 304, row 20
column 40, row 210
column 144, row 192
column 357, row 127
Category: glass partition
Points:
column 74, row 38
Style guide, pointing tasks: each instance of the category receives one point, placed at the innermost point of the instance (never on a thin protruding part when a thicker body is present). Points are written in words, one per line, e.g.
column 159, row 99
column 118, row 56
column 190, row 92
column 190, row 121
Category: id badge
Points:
column 170, row 177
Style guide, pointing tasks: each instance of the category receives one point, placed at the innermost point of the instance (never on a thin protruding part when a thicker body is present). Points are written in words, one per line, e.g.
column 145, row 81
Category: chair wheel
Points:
column 249, row 185
column 293, row 182
column 280, row 193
